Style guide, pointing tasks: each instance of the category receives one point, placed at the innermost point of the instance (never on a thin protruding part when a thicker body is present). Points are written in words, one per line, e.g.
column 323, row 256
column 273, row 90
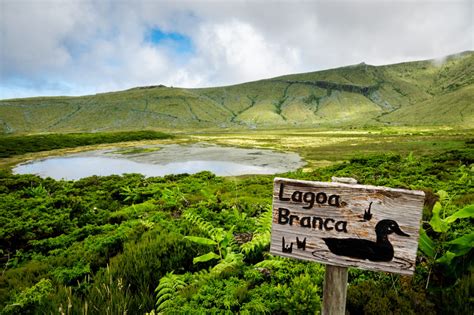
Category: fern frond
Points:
column 231, row 262
column 204, row 226
column 264, row 220
column 201, row 273
column 164, row 306
column 262, row 235
column 167, row 290
column 201, row 276
column 255, row 306
column 164, row 291
column 258, row 241
column 270, row 264
column 163, row 298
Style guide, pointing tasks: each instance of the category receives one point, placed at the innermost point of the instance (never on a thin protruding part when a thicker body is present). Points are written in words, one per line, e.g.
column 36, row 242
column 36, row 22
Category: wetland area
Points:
column 160, row 160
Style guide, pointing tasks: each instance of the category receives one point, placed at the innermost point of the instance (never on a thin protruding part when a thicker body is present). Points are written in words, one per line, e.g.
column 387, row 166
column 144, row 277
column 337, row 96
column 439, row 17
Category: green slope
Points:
column 412, row 93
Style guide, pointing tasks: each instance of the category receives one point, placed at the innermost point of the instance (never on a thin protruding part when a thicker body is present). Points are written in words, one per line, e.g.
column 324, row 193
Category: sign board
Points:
column 349, row 225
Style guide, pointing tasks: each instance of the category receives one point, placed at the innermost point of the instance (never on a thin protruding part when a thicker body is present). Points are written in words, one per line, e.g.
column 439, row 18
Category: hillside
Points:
column 412, row 93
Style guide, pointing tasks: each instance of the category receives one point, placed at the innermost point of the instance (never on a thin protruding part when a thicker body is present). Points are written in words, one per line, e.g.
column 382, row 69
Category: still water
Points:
column 164, row 159
column 72, row 168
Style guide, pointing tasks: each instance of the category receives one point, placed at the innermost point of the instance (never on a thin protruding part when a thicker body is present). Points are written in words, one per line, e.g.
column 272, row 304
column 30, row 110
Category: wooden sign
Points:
column 368, row 227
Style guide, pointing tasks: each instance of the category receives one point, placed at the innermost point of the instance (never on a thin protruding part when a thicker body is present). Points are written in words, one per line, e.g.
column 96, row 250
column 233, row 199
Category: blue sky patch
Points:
column 176, row 41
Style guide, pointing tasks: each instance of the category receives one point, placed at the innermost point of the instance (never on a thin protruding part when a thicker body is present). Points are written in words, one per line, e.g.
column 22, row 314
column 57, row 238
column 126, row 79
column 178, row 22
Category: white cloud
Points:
column 77, row 47
column 235, row 52
column 31, row 37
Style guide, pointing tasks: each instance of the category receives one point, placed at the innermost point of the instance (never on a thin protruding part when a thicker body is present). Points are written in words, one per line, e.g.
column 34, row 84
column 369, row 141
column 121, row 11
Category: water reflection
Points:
column 72, row 168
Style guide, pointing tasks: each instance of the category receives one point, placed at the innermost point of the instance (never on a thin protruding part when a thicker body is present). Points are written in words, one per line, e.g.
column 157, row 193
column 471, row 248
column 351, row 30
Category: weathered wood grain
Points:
column 402, row 206
column 335, row 290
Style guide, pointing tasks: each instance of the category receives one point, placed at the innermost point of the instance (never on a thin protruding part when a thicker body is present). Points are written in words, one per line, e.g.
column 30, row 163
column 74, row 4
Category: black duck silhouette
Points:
column 380, row 250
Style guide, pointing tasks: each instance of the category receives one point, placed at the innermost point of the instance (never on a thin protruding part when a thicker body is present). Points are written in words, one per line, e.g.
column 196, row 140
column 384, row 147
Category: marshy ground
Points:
column 318, row 148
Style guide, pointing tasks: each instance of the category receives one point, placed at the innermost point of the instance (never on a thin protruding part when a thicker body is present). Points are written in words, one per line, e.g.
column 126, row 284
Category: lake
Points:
column 163, row 160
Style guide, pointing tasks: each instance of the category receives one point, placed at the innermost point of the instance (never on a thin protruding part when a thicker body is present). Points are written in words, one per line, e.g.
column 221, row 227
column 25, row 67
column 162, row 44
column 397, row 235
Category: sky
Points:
column 54, row 47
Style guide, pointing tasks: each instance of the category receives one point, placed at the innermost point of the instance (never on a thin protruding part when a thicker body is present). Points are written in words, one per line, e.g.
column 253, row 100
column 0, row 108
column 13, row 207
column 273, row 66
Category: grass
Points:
column 323, row 147
column 17, row 145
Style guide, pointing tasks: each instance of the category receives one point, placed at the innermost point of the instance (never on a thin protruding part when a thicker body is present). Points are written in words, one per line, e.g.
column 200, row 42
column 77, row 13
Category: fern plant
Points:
column 167, row 290
column 224, row 244
column 130, row 194
column 233, row 261
column 222, row 240
column 31, row 299
column 262, row 235
column 38, row 191
column 272, row 262
column 170, row 285
column 172, row 197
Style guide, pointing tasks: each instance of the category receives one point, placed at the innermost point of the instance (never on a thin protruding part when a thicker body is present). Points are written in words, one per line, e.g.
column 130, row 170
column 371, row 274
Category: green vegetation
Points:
column 199, row 243
column 416, row 93
column 15, row 145
column 320, row 147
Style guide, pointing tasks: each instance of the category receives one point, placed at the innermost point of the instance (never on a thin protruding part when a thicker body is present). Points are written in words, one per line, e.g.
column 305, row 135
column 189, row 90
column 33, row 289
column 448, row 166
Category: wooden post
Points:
column 335, row 290
column 335, row 278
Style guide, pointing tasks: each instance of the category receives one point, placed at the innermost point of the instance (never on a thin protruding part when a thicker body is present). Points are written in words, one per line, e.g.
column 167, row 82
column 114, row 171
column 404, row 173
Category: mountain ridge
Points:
column 408, row 93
